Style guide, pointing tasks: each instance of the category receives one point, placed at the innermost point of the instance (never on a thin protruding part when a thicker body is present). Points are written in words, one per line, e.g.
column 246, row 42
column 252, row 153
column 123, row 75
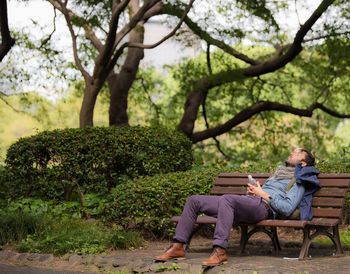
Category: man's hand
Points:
column 258, row 191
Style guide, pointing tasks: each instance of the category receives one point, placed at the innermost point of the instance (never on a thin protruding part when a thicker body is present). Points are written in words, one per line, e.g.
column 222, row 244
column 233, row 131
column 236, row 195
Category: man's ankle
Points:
column 219, row 247
column 178, row 242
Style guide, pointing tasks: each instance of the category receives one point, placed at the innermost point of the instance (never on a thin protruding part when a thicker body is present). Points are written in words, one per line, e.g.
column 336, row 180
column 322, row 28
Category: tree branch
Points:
column 48, row 38
column 108, row 47
column 260, row 107
column 326, row 36
column 172, row 33
column 89, row 33
column 147, row 6
column 6, row 40
column 294, row 49
column 11, row 106
column 204, row 109
column 177, row 11
column 194, row 98
column 127, row 28
column 63, row 8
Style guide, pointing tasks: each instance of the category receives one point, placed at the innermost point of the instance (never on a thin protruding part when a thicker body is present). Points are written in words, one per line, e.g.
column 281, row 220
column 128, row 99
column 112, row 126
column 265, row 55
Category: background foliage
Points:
column 52, row 164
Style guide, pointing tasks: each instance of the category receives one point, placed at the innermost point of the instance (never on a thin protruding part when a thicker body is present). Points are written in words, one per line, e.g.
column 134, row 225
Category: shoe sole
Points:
column 211, row 265
column 169, row 260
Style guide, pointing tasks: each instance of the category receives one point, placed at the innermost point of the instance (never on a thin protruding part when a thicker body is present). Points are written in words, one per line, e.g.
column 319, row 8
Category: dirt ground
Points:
column 258, row 258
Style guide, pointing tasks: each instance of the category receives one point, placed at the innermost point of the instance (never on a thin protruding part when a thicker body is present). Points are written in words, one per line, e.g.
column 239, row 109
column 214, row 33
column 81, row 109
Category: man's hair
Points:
column 310, row 158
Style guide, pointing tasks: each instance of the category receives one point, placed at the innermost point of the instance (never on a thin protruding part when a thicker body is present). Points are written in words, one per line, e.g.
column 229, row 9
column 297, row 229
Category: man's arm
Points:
column 258, row 191
column 284, row 205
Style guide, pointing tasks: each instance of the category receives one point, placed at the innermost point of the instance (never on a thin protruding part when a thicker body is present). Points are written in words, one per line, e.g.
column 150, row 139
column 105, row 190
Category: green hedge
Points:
column 148, row 203
column 53, row 163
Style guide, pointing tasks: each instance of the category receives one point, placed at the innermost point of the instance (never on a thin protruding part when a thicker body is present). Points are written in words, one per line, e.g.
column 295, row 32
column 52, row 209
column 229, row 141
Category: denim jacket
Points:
column 307, row 176
column 283, row 203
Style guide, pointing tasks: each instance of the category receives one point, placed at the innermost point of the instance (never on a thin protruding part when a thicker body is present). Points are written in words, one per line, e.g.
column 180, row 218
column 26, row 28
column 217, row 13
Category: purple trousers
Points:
column 228, row 209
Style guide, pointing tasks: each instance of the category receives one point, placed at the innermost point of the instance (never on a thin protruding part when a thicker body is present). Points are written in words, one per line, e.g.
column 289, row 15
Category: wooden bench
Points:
column 328, row 204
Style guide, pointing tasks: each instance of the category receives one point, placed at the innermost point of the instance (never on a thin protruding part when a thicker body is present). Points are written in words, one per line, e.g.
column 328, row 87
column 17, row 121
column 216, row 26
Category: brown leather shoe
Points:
column 217, row 257
column 175, row 251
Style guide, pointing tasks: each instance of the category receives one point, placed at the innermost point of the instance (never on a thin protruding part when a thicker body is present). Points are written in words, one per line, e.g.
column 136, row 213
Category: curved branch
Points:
column 294, row 49
column 48, row 38
column 65, row 12
column 108, row 47
column 135, row 20
column 257, row 108
column 172, row 33
column 176, row 11
column 89, row 33
column 331, row 112
column 6, row 40
column 121, row 34
column 326, row 36
column 194, row 98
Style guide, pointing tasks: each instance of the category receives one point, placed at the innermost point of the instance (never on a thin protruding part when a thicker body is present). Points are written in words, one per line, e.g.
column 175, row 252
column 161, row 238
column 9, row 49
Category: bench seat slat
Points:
column 200, row 219
column 283, row 223
column 324, row 201
column 243, row 175
column 334, row 175
column 230, row 182
column 324, row 222
column 240, row 190
column 327, row 212
column 334, row 182
column 331, row 192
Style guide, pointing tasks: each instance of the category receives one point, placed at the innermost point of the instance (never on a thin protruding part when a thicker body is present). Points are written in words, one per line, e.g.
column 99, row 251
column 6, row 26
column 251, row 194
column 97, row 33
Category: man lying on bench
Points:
column 289, row 188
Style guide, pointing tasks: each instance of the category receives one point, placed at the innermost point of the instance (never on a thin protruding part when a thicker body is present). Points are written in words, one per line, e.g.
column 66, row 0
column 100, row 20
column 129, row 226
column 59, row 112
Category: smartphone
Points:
column 251, row 180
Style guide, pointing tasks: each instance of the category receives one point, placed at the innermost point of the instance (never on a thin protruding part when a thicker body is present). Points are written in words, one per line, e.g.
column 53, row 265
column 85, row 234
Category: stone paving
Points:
column 259, row 258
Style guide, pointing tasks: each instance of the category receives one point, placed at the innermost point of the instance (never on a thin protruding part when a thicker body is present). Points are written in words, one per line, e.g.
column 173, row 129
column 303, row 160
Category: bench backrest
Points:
column 328, row 202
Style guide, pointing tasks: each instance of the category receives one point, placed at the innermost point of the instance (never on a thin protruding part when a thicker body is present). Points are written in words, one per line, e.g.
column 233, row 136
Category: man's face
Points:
column 297, row 156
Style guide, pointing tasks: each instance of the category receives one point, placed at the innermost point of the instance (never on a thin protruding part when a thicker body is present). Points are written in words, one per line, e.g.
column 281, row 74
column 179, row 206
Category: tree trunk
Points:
column 88, row 105
column 6, row 40
column 193, row 102
column 119, row 84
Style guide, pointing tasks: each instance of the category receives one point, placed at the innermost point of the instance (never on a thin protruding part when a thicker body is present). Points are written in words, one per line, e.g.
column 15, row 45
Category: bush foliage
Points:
column 53, row 163
column 147, row 203
column 16, row 226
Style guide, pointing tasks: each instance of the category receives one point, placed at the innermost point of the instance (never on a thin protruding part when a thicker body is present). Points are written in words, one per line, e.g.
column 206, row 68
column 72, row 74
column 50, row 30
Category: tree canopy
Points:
column 254, row 70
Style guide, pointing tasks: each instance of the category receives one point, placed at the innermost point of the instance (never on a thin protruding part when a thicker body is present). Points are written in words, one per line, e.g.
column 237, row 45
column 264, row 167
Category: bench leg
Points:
column 272, row 233
column 306, row 243
column 339, row 249
column 308, row 237
column 244, row 238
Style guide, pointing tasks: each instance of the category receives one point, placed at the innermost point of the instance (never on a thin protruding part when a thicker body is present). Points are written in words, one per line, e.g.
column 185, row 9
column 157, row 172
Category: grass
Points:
column 67, row 236
column 344, row 239
column 15, row 226
column 124, row 239
column 43, row 233
column 79, row 237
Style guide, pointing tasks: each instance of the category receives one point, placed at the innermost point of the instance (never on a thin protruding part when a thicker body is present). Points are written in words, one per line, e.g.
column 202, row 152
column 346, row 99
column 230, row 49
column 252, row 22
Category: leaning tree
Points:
column 6, row 39
column 115, row 29
column 285, row 53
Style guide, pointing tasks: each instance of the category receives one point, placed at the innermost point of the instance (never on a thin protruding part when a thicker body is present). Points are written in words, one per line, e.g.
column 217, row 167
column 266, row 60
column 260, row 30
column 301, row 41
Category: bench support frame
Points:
column 310, row 232
column 269, row 231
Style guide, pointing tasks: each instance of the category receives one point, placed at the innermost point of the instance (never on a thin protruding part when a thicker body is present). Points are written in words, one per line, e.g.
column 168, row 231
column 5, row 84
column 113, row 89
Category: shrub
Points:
column 125, row 239
column 93, row 207
column 66, row 235
column 53, row 163
column 148, row 203
column 15, row 226
column 4, row 182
